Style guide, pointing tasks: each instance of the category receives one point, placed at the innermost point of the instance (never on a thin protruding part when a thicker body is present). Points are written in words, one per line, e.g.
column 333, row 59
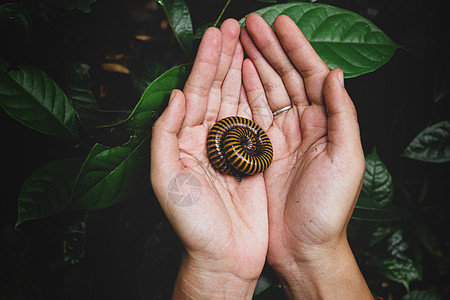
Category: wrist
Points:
column 201, row 280
column 331, row 274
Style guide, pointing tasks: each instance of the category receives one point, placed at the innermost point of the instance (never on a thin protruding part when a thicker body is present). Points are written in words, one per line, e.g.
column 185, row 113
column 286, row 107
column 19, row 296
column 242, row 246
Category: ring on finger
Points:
column 286, row 108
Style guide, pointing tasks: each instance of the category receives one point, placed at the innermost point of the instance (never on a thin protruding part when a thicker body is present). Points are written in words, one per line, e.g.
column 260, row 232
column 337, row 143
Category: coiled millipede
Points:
column 239, row 147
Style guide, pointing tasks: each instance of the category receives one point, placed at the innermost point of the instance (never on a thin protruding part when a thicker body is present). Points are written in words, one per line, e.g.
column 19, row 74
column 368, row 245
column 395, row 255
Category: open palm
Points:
column 217, row 219
column 314, row 180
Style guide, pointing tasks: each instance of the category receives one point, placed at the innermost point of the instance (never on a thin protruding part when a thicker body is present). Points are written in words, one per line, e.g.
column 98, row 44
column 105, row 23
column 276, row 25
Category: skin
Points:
column 295, row 215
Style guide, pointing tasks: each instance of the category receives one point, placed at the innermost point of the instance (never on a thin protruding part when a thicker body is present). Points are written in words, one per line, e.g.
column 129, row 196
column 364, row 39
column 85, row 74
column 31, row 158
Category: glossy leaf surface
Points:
column 31, row 97
column 431, row 145
column 108, row 174
column 155, row 98
column 48, row 190
column 377, row 180
column 342, row 38
column 180, row 20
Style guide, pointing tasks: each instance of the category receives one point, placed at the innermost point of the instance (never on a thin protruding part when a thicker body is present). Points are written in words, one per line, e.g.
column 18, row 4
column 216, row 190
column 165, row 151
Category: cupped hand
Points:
column 317, row 170
column 221, row 223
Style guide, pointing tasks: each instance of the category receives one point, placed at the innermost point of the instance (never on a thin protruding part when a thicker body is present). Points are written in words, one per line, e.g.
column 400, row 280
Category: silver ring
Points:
column 282, row 110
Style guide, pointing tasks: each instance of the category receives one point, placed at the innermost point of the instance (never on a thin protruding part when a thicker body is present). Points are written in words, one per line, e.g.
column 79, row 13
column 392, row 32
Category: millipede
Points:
column 239, row 147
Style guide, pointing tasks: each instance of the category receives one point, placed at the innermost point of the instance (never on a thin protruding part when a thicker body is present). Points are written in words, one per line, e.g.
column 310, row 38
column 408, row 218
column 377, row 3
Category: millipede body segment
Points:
column 238, row 146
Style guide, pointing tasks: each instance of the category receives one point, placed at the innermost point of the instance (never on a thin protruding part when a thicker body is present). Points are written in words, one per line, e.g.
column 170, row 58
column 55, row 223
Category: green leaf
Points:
column 31, row 97
column 47, row 191
column 377, row 180
column 431, row 145
column 148, row 73
column 343, row 39
column 155, row 98
column 422, row 295
column 401, row 270
column 368, row 209
column 108, row 174
column 73, row 243
column 83, row 5
column 397, row 244
column 77, row 86
column 179, row 18
column 262, row 284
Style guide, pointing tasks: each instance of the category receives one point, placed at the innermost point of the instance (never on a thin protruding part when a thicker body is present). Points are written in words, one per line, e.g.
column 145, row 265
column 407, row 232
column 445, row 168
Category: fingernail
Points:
column 172, row 95
column 341, row 77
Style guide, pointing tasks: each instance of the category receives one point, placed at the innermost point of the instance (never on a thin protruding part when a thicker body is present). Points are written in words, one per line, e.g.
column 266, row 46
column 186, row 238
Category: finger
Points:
column 261, row 112
column 273, row 84
column 267, row 42
column 303, row 56
column 231, row 86
column 343, row 128
column 165, row 154
column 243, row 106
column 200, row 81
column 230, row 30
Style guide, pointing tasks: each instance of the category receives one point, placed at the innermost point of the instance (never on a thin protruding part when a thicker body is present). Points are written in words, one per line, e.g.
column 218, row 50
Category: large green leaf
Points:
column 31, row 97
column 342, row 38
column 155, row 98
column 377, row 180
column 108, row 174
column 431, row 145
column 180, row 20
column 368, row 209
column 47, row 191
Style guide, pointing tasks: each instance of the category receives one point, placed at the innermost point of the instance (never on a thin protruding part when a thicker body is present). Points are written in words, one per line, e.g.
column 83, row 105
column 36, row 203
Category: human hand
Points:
column 221, row 223
column 318, row 165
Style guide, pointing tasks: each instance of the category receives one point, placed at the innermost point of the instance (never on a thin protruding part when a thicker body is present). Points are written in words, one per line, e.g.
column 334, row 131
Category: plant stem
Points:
column 221, row 13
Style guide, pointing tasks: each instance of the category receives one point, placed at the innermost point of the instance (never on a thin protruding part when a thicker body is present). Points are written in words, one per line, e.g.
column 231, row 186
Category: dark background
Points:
column 130, row 251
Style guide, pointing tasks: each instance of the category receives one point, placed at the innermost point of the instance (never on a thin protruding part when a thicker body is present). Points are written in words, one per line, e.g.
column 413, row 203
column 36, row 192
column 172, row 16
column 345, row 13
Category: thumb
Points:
column 165, row 153
column 343, row 128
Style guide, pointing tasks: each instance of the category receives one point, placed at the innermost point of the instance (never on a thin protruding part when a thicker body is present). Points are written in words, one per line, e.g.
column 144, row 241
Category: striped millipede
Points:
column 238, row 146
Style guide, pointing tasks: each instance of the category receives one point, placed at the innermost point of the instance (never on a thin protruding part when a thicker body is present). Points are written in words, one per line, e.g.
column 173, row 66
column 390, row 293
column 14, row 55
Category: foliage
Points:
column 390, row 243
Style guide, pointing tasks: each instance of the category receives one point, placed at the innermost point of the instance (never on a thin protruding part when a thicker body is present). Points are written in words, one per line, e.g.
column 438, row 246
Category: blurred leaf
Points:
column 31, row 97
column 262, row 284
column 379, row 234
column 400, row 270
column 115, row 67
column 431, row 145
column 342, row 38
column 77, row 86
column 108, row 174
column 155, row 98
column 179, row 18
column 83, row 5
column 422, row 295
column 265, row 280
column 377, row 180
column 47, row 191
column 368, row 209
column 74, row 241
column 397, row 245
column 19, row 14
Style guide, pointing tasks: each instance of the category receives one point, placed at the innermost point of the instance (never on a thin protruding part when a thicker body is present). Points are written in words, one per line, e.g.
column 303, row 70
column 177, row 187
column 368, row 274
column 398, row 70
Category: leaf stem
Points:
column 221, row 13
